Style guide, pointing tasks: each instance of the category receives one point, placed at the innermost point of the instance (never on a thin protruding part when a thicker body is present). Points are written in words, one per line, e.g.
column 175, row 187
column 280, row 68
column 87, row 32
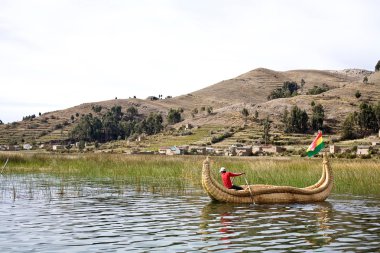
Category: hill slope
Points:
column 227, row 98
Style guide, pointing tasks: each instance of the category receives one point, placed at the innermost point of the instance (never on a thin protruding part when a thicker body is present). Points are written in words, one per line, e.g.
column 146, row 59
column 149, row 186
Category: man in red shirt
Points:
column 226, row 178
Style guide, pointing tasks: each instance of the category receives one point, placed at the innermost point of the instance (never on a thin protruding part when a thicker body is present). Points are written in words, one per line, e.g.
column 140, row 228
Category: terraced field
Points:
column 37, row 130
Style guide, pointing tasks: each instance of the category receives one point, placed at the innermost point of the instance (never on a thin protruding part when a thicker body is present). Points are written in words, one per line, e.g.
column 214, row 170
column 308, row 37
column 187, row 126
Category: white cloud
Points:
column 63, row 53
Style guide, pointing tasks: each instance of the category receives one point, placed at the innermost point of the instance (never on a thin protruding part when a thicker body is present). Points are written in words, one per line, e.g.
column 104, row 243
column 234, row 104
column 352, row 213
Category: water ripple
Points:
column 102, row 221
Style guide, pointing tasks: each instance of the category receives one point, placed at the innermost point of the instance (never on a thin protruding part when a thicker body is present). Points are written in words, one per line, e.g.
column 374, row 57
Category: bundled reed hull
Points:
column 263, row 194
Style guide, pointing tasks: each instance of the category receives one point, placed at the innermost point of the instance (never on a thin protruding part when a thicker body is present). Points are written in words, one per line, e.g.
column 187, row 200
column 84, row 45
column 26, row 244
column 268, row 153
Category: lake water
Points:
column 38, row 217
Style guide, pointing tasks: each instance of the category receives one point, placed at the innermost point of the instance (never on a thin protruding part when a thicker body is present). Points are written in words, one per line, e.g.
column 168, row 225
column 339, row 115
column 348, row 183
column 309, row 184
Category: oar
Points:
column 250, row 191
column 4, row 165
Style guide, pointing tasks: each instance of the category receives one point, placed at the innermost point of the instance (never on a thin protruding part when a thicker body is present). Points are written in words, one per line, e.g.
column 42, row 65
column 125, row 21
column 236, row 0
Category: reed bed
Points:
column 181, row 174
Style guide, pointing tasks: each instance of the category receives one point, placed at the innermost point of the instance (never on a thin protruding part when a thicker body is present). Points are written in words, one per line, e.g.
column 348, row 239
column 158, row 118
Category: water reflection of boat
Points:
column 319, row 234
column 309, row 223
column 261, row 194
column 220, row 218
column 324, row 212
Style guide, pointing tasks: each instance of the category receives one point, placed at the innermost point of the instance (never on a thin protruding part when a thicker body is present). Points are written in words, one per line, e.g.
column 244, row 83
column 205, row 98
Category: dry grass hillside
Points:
column 251, row 90
column 227, row 98
column 338, row 102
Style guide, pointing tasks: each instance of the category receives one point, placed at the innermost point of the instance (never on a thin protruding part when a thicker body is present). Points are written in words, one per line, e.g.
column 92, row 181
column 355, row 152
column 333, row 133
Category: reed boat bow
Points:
column 262, row 194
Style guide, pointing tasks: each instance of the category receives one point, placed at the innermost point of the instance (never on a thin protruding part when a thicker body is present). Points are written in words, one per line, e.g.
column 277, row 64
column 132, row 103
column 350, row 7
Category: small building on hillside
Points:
column 256, row 150
column 197, row 150
column 175, row 151
column 243, row 151
column 210, row 151
column 150, row 152
column 271, row 149
column 162, row 150
column 201, row 150
column 58, row 147
column 334, row 149
column 363, row 150
column 77, row 144
column 132, row 151
column 27, row 146
column 185, row 148
column 219, row 151
column 232, row 149
column 13, row 148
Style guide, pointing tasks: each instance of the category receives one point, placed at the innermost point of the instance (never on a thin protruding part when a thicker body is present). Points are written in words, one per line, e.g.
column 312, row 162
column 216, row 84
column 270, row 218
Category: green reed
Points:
column 179, row 174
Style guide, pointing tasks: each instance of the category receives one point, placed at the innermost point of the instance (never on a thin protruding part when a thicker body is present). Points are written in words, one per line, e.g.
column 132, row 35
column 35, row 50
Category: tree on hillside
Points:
column 153, row 124
column 114, row 125
column 1, row 122
column 297, row 121
column 362, row 123
column 358, row 94
column 317, row 118
column 29, row 117
column 377, row 67
column 302, row 83
column 365, row 80
column 96, row 108
column 111, row 120
column 367, row 119
column 288, row 89
column 81, row 145
column 209, row 109
column 285, row 117
column 266, row 130
column 194, row 111
column 304, row 122
column 88, row 129
column 245, row 114
column 318, row 90
column 376, row 110
column 131, row 112
column 116, row 112
column 174, row 116
column 348, row 127
column 128, row 127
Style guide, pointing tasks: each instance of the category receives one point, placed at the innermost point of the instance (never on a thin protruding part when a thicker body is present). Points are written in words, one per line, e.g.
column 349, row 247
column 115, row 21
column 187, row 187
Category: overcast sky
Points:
column 56, row 54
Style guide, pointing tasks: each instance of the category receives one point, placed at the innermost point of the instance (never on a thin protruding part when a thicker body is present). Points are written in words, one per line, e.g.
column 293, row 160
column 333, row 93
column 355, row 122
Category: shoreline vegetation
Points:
column 182, row 174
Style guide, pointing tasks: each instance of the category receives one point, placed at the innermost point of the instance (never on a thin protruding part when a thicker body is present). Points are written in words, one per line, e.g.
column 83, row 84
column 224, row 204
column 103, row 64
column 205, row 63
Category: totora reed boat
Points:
column 262, row 194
